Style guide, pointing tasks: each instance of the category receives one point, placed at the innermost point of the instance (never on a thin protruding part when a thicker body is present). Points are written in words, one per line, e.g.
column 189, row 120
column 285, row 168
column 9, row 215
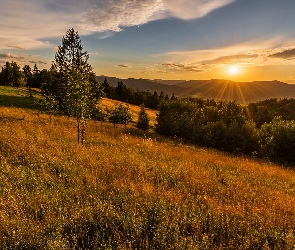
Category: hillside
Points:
column 242, row 92
column 123, row 190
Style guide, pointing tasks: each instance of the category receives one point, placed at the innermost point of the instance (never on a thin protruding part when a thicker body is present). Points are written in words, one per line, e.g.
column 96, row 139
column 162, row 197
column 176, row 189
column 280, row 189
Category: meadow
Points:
column 128, row 190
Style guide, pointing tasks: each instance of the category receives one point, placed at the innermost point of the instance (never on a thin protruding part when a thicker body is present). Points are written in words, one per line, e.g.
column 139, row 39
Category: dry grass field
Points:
column 126, row 191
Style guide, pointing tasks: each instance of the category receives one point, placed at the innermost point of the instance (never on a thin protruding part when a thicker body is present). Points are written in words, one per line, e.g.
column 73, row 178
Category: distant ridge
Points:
column 218, row 89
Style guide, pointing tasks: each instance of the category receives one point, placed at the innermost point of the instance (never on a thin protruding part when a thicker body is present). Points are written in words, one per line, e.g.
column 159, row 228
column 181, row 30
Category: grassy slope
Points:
column 124, row 191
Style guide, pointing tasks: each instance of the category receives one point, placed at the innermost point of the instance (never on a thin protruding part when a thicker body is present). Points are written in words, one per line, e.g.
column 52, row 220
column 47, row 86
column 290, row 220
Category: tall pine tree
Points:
column 73, row 84
column 70, row 58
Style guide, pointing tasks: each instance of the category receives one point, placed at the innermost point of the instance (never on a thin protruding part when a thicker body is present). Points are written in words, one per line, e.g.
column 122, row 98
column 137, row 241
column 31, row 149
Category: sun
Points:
column 233, row 70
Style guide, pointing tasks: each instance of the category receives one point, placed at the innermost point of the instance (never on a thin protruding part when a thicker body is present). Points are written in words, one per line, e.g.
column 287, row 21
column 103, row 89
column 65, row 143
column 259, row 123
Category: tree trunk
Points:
column 83, row 136
column 78, row 130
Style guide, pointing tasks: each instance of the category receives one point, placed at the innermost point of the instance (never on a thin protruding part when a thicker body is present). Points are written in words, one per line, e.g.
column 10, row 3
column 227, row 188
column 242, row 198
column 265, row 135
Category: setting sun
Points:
column 233, row 70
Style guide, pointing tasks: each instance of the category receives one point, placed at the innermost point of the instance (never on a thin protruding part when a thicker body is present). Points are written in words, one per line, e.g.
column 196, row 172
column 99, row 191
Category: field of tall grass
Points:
column 127, row 190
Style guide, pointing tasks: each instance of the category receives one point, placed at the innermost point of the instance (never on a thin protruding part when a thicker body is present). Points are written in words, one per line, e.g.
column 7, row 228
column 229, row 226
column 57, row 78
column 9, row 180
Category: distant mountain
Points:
column 144, row 84
column 218, row 89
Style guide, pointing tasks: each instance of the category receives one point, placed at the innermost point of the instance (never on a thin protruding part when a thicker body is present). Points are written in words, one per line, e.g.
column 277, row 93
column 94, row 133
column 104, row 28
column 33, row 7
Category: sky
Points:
column 240, row 40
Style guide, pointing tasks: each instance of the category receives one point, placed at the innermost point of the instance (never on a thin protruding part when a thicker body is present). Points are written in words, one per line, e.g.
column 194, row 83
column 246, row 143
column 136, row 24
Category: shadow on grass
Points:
column 19, row 101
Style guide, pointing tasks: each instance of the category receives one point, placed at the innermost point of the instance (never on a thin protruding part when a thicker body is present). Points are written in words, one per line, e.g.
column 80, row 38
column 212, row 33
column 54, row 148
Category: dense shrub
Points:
column 120, row 114
column 264, row 111
column 220, row 126
column 278, row 140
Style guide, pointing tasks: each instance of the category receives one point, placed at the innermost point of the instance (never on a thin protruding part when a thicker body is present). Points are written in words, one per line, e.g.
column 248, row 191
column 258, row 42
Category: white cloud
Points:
column 112, row 15
column 189, row 9
column 27, row 24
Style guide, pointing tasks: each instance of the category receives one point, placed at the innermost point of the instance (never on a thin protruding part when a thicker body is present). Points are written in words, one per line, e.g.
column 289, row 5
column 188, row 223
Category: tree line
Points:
column 136, row 97
column 13, row 75
column 229, row 126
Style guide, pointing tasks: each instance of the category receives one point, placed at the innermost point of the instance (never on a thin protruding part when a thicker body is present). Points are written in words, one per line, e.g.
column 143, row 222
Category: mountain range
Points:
column 218, row 89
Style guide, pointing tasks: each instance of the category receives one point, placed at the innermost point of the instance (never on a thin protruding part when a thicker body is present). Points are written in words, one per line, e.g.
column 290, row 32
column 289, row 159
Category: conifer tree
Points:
column 73, row 85
column 28, row 76
column 12, row 75
column 70, row 58
column 143, row 119
column 106, row 88
column 120, row 115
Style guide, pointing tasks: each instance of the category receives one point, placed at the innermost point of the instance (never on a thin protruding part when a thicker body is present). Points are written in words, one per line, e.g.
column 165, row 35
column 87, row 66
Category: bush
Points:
column 221, row 126
column 120, row 115
column 278, row 140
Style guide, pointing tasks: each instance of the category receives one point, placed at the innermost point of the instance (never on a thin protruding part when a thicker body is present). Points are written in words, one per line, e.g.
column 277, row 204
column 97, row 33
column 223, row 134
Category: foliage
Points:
column 220, row 126
column 143, row 119
column 106, row 88
column 28, row 75
column 79, row 100
column 278, row 140
column 48, row 104
column 12, row 75
column 71, row 59
column 264, row 111
column 98, row 114
column 120, row 114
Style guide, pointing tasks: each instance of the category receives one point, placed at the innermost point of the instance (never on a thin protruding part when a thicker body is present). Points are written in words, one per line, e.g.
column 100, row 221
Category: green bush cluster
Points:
column 223, row 125
column 119, row 114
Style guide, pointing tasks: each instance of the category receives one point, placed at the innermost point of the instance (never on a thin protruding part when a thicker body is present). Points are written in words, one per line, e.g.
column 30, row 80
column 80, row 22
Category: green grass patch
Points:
column 19, row 97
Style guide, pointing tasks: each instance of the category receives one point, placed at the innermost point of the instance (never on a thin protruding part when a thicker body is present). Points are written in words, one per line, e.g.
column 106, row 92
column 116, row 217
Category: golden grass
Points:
column 122, row 191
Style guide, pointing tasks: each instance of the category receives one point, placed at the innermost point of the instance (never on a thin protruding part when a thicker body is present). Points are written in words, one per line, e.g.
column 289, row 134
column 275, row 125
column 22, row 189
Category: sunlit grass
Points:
column 122, row 191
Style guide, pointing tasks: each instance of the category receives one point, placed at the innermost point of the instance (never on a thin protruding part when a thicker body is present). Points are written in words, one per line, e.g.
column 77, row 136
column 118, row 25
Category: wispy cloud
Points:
column 9, row 56
column 111, row 15
column 38, row 62
column 254, row 53
column 124, row 66
column 288, row 54
column 183, row 67
column 242, row 58
column 21, row 60
column 14, row 47
column 189, row 9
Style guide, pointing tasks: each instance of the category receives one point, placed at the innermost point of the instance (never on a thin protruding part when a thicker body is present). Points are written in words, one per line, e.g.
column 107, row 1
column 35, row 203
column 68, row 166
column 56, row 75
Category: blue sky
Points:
column 167, row 39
